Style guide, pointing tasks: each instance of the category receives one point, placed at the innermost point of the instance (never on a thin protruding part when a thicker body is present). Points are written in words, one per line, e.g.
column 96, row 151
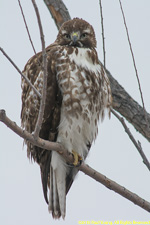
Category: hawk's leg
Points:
column 77, row 159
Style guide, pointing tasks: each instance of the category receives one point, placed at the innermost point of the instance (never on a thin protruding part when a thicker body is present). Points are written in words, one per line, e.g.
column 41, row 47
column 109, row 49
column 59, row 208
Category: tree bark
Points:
column 122, row 101
column 129, row 108
column 58, row 11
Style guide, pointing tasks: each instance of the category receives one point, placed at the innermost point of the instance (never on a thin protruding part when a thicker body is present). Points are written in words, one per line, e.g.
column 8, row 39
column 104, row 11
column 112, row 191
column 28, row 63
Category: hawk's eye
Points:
column 84, row 35
column 67, row 36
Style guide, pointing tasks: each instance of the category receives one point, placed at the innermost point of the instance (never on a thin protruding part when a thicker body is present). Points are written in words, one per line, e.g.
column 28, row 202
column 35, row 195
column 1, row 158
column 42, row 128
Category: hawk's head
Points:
column 77, row 32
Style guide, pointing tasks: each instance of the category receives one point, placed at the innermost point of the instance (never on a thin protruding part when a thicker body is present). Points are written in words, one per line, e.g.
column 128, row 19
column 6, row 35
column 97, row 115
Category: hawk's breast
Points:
column 78, row 75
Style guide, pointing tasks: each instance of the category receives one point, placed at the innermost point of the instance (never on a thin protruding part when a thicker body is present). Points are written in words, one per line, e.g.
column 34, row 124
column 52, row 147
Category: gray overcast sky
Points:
column 113, row 154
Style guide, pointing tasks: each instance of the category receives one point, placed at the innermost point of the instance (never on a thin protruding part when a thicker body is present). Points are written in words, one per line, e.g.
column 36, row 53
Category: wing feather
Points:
column 30, row 109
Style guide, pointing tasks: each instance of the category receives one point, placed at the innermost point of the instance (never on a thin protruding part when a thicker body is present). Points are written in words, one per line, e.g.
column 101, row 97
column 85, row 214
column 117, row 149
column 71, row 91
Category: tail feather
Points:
column 57, row 193
column 59, row 177
column 45, row 174
column 50, row 206
column 54, row 206
column 70, row 178
column 61, row 188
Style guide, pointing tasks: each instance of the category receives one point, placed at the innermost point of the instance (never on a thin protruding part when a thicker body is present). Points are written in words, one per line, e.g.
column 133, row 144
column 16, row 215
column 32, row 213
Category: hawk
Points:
column 78, row 94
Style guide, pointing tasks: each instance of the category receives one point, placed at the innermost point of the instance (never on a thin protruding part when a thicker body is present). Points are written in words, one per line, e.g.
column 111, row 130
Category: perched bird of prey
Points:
column 78, row 94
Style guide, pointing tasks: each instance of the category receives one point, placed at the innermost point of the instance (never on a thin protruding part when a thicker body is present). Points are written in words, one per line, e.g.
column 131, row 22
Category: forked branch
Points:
column 84, row 168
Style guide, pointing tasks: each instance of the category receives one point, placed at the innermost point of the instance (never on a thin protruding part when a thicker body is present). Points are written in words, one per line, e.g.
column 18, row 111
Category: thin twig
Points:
column 137, row 144
column 84, row 168
column 136, row 72
column 26, row 79
column 26, row 27
column 103, row 38
column 43, row 99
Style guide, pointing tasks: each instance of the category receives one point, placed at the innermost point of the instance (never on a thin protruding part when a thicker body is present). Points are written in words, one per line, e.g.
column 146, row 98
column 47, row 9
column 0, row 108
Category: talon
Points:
column 77, row 159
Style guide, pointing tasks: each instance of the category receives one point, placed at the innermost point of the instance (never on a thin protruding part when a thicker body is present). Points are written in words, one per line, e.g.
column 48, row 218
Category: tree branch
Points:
column 19, row 71
column 136, row 144
column 122, row 101
column 112, row 185
column 133, row 58
column 60, row 14
column 58, row 11
column 129, row 108
column 103, row 38
column 83, row 167
column 27, row 29
column 35, row 141
column 43, row 99
column 24, row 19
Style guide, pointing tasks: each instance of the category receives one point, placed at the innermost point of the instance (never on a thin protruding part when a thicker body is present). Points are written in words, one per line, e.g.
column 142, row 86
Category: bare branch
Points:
column 115, row 187
column 35, row 141
column 137, row 144
column 103, row 38
column 83, row 167
column 43, row 99
column 136, row 72
column 26, row 79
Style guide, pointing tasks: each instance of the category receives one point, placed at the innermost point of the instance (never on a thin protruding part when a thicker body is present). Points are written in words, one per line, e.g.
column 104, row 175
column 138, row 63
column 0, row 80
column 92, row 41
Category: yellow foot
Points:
column 77, row 158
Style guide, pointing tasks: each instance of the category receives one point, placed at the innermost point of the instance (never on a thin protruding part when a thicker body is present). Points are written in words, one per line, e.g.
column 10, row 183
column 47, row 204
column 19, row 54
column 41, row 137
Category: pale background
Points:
column 21, row 197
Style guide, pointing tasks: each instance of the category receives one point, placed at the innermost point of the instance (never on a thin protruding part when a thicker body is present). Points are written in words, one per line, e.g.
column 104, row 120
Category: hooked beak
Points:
column 75, row 37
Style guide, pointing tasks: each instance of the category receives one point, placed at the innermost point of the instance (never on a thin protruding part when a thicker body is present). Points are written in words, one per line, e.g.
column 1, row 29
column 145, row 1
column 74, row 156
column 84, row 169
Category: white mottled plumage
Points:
column 88, row 130
column 83, row 60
